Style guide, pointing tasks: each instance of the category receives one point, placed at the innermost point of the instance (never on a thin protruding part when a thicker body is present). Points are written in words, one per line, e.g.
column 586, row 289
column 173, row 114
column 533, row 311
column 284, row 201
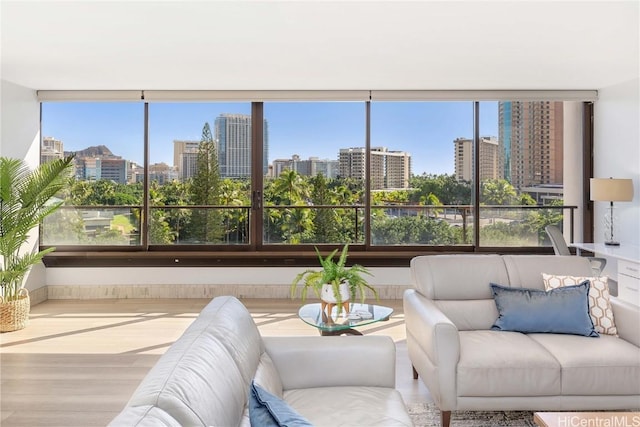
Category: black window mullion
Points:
column 367, row 179
column 256, row 222
column 145, row 214
column 476, row 174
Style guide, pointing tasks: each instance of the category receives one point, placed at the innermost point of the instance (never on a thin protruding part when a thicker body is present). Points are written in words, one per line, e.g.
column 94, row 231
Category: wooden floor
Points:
column 78, row 362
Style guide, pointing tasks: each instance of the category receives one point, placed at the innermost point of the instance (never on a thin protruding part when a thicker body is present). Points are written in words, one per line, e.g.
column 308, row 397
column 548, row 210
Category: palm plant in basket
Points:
column 25, row 197
column 332, row 277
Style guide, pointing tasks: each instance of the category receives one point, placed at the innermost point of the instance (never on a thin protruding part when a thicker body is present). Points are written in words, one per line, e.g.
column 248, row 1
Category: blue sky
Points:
column 424, row 129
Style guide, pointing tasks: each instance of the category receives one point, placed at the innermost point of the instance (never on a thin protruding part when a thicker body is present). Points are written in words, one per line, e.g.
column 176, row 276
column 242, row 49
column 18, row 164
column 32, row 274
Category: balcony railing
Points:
column 391, row 225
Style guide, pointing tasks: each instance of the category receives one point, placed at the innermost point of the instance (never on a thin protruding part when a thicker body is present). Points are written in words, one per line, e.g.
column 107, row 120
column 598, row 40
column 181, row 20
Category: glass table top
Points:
column 359, row 315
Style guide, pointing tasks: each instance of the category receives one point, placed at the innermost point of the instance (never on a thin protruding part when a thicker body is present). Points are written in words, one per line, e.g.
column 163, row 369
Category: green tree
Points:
column 325, row 221
column 176, row 196
column 206, row 224
column 290, row 189
column 497, row 192
column 159, row 230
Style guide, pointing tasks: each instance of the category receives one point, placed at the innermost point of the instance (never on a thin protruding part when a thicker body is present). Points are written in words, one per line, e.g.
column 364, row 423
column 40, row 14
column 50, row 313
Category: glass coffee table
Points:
column 359, row 315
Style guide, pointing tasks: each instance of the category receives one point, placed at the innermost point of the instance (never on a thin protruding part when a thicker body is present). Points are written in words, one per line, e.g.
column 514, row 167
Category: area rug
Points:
column 428, row 415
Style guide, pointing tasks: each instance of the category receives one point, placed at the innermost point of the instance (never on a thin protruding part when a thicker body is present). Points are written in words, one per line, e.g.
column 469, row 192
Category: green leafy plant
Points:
column 25, row 197
column 334, row 273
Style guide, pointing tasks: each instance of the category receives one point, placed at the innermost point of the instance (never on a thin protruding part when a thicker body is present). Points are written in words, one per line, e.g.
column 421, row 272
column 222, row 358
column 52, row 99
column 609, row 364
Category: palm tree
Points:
column 24, row 202
column 497, row 192
column 291, row 185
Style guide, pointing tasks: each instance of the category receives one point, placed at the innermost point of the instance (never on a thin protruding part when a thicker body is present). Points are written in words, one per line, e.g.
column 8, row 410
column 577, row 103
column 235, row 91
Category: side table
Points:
column 359, row 315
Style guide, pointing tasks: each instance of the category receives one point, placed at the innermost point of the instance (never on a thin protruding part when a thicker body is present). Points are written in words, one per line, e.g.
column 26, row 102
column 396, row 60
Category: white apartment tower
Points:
column 389, row 169
column 51, row 149
column 185, row 154
column 233, row 137
column 491, row 164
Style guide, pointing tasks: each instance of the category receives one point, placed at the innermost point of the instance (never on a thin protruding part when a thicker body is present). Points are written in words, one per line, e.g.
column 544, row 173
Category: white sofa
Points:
column 449, row 312
column 204, row 377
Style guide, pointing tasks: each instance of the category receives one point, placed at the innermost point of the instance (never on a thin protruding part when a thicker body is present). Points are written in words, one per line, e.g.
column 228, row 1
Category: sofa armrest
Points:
column 438, row 336
column 306, row 362
column 627, row 318
column 434, row 347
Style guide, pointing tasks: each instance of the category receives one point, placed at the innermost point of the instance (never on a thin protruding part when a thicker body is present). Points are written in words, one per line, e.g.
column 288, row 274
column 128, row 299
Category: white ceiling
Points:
column 268, row 45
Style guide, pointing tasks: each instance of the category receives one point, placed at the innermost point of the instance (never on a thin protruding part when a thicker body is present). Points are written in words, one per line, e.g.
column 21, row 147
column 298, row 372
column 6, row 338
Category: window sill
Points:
column 380, row 258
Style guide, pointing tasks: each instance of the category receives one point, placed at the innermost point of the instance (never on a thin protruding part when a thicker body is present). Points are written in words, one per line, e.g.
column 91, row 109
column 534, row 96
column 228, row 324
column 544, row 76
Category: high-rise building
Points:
column 311, row 167
column 491, row 163
column 51, row 149
column 532, row 138
column 188, row 165
column 233, row 137
column 397, row 167
column 114, row 169
column 162, row 173
column 180, row 147
column 389, row 169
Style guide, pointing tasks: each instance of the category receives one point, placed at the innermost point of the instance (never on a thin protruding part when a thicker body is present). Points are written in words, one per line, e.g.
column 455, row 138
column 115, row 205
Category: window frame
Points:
column 258, row 254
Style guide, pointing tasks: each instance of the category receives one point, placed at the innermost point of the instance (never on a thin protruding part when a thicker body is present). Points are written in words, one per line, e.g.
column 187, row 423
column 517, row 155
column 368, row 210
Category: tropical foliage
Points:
column 25, row 200
column 334, row 273
column 298, row 209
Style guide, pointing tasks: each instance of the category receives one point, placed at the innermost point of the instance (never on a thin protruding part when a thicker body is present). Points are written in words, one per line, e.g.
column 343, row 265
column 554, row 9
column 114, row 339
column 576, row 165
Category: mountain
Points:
column 94, row 151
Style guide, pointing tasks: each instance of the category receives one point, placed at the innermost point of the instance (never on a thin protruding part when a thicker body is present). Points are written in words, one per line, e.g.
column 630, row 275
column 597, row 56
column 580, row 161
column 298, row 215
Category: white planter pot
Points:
column 327, row 295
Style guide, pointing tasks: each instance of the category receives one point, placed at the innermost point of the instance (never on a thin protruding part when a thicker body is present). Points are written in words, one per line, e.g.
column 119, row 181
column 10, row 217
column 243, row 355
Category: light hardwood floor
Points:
column 79, row 361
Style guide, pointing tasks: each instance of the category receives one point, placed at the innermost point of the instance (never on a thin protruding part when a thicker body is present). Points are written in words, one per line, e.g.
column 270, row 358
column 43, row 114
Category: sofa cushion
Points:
column 497, row 363
column 469, row 315
column 457, row 277
column 268, row 410
column 599, row 299
column 199, row 364
column 267, row 375
column 236, row 330
column 525, row 271
column 606, row 366
column 143, row 416
column 563, row 310
column 350, row 406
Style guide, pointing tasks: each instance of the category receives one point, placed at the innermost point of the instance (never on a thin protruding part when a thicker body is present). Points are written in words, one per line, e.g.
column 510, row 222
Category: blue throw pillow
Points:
column 563, row 310
column 268, row 410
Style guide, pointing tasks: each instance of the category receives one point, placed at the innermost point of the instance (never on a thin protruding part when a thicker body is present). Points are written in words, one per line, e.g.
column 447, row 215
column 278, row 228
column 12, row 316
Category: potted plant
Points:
column 25, row 197
column 335, row 283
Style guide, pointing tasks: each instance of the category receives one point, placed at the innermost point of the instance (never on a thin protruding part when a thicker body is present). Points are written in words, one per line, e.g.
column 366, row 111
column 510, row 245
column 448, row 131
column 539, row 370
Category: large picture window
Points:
column 200, row 157
column 313, row 193
column 103, row 203
column 263, row 176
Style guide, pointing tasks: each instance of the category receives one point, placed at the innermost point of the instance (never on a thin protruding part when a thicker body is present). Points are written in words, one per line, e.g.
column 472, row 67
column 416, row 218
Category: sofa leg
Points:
column 415, row 373
column 445, row 418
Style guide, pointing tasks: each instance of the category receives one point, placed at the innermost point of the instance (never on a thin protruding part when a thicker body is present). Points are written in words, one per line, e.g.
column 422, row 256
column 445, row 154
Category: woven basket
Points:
column 14, row 315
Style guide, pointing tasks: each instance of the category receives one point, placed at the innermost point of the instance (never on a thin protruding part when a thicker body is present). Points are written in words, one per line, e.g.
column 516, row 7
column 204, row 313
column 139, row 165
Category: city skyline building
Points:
column 310, row 167
column 531, row 134
column 491, row 159
column 162, row 173
column 389, row 169
column 51, row 149
column 232, row 133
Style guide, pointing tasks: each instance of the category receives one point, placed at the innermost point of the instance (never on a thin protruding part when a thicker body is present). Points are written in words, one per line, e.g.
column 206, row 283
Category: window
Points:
column 420, row 192
column 314, row 191
column 104, row 201
column 200, row 158
column 238, row 176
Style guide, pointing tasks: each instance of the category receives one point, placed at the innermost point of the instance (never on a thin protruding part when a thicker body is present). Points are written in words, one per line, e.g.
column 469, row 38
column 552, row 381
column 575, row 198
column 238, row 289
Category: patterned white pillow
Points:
column 599, row 304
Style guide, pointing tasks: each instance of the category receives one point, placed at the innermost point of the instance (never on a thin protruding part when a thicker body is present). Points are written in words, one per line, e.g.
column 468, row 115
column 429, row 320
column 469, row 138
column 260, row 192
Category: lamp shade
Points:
column 611, row 190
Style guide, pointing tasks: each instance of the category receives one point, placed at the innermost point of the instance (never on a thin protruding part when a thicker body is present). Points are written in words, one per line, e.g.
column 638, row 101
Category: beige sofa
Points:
column 467, row 366
column 204, row 377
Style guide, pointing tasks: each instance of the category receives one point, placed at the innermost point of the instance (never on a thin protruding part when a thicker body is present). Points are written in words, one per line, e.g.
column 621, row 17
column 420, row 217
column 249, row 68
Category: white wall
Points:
column 617, row 153
column 20, row 138
column 572, row 167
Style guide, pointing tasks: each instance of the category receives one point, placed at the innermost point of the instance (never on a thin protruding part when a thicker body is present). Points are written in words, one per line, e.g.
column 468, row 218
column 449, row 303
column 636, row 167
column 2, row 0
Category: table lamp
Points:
column 611, row 190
